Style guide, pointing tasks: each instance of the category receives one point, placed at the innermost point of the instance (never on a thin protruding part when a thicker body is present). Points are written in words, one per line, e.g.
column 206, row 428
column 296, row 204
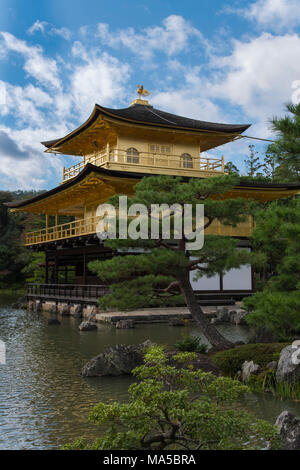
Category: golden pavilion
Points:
column 116, row 148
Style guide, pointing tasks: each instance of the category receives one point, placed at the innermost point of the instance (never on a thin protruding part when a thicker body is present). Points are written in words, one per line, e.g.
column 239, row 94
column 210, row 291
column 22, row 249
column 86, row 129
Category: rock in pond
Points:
column 288, row 368
column 21, row 303
column 122, row 359
column 238, row 316
column 53, row 321
column 87, row 326
column 222, row 314
column 125, row 324
column 176, row 322
column 289, row 429
column 271, row 365
column 249, row 368
column 65, row 310
column 78, row 311
column 37, row 306
column 116, row 360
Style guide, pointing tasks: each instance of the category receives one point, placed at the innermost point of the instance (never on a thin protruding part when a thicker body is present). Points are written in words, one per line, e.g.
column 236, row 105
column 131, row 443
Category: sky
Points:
column 213, row 60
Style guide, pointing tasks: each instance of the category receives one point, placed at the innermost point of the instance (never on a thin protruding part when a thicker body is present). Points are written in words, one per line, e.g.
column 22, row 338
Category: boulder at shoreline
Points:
column 288, row 368
column 122, row 359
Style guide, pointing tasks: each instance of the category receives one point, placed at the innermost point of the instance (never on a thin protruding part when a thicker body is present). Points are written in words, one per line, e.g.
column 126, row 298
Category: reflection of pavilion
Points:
column 117, row 148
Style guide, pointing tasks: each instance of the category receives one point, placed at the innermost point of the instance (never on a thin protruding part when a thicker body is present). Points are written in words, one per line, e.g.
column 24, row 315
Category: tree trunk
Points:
column 209, row 330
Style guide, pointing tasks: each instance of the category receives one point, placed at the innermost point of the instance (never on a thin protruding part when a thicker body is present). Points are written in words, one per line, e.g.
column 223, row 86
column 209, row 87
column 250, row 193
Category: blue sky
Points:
column 224, row 61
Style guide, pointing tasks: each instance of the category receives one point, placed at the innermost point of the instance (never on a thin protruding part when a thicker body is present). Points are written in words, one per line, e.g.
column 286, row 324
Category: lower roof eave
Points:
column 89, row 168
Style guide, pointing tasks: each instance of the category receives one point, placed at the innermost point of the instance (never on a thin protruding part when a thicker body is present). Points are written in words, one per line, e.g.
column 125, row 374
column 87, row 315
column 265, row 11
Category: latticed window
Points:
column 187, row 160
column 132, row 155
column 155, row 148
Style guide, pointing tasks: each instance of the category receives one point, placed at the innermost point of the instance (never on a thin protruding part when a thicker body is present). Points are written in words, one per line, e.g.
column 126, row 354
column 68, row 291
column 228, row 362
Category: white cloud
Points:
column 275, row 14
column 43, row 69
column 46, row 28
column 170, row 38
column 23, row 164
column 257, row 76
column 24, row 103
column 185, row 102
column 251, row 83
column 40, row 114
column 98, row 79
column 38, row 26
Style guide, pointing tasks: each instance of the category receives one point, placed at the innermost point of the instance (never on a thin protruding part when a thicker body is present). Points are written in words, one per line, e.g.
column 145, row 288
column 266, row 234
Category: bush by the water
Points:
column 191, row 343
column 277, row 312
column 178, row 409
column 231, row 360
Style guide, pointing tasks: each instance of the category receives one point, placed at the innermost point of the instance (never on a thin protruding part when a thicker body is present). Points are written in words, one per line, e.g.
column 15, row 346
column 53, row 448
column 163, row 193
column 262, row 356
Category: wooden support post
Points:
column 47, row 270
column 84, row 269
column 56, row 270
column 56, row 223
column 107, row 152
column 221, row 281
column 47, row 226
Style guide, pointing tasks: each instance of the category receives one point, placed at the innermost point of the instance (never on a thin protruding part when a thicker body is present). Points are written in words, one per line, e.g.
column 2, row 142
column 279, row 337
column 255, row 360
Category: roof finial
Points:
column 142, row 91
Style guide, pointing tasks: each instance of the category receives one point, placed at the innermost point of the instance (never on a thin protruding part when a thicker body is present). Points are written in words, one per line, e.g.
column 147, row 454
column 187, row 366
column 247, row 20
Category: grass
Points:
column 231, row 360
column 266, row 382
column 191, row 344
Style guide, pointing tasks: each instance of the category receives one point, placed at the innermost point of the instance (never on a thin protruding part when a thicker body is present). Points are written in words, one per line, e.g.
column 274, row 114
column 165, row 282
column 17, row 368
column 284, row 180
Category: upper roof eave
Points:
column 149, row 116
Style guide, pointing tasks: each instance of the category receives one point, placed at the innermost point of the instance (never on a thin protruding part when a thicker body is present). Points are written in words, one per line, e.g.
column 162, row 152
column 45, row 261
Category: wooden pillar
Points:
column 84, row 269
column 56, row 219
column 107, row 152
column 47, row 226
column 47, row 270
column 221, row 281
column 56, row 270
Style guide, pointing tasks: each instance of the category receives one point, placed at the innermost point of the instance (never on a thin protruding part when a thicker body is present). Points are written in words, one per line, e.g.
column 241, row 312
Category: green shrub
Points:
column 277, row 312
column 231, row 360
column 191, row 344
column 173, row 408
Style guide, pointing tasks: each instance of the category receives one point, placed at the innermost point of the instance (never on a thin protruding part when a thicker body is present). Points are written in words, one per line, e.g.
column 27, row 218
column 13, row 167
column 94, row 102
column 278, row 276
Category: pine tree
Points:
column 277, row 235
column 287, row 147
column 163, row 269
column 231, row 168
column 252, row 163
column 269, row 166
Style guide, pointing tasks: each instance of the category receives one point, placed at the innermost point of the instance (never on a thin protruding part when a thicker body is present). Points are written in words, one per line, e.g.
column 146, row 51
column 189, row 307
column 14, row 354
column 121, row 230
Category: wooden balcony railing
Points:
column 117, row 158
column 59, row 232
column 67, row 292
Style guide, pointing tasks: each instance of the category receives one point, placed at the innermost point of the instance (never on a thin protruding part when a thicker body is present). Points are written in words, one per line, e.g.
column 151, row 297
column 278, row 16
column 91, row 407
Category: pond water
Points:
column 44, row 402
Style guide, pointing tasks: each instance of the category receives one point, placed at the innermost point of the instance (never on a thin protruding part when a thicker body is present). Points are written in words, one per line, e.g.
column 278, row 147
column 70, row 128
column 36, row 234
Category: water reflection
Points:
column 44, row 402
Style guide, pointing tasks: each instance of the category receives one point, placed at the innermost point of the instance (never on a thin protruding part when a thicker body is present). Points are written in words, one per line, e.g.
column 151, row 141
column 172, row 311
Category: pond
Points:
column 44, row 402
